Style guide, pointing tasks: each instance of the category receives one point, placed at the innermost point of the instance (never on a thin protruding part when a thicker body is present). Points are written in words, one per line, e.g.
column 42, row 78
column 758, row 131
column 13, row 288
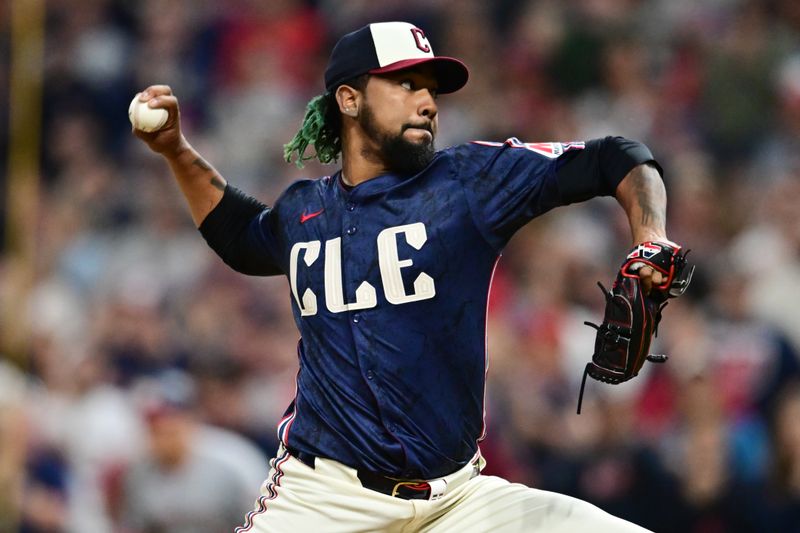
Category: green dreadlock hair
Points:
column 321, row 128
column 316, row 130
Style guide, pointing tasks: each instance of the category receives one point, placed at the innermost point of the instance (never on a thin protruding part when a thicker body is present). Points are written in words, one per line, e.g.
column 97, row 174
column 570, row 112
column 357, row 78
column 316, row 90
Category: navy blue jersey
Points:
column 389, row 284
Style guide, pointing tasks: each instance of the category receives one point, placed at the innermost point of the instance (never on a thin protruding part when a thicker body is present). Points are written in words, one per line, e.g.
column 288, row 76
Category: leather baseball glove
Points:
column 631, row 317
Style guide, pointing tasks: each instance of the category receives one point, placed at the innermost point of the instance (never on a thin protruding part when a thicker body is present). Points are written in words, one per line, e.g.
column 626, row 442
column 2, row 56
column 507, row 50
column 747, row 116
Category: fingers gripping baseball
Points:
column 166, row 138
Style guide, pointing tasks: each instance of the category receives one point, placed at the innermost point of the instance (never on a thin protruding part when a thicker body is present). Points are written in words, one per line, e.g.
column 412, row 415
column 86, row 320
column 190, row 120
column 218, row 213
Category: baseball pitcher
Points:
column 388, row 262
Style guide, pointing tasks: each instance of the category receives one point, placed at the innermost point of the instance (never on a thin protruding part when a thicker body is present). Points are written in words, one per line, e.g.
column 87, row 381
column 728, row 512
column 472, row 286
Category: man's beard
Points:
column 399, row 155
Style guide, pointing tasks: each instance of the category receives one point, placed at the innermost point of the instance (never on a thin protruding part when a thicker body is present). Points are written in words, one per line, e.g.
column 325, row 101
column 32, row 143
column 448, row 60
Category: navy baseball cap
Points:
column 386, row 47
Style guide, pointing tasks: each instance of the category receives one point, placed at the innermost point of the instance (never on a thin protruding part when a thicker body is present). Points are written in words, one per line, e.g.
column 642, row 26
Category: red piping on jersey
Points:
column 286, row 422
column 486, row 348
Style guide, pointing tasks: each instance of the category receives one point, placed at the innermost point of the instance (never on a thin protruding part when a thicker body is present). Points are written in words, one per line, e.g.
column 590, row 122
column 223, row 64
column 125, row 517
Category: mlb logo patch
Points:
column 644, row 251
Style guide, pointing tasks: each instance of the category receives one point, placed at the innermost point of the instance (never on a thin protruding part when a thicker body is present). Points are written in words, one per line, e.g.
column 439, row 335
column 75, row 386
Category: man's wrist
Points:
column 650, row 236
column 180, row 150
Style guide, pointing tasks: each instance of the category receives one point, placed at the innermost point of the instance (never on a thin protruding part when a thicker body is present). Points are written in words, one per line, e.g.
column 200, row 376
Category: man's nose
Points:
column 427, row 106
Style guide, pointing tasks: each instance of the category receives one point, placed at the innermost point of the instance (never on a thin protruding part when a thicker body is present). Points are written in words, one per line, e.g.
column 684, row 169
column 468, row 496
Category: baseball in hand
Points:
column 144, row 117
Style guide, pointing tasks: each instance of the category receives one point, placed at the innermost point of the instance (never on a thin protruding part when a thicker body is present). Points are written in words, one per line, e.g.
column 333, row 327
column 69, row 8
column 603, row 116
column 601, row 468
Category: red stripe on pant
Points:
column 272, row 490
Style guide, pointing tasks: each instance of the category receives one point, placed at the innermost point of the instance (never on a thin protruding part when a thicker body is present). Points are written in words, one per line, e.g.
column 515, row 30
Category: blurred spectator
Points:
column 781, row 493
column 625, row 102
column 779, row 154
column 194, row 478
column 709, row 495
column 44, row 506
column 768, row 252
column 736, row 99
column 618, row 472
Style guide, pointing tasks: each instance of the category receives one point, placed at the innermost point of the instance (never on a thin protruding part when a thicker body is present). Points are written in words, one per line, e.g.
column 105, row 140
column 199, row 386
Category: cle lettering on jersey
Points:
column 366, row 296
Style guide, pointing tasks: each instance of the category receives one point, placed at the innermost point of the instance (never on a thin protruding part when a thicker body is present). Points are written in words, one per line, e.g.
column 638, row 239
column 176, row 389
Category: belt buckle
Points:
column 416, row 486
column 435, row 488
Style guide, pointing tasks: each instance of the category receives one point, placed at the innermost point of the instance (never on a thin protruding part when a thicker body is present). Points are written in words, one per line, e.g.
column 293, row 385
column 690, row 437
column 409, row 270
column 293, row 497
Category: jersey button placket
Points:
column 350, row 228
column 356, row 319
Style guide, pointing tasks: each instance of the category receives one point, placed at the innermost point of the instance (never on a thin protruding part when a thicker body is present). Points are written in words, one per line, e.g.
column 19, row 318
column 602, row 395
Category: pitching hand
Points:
column 168, row 140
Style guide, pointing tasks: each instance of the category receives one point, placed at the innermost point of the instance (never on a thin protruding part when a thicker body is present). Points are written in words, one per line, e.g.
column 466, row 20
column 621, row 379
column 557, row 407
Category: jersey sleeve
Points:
column 243, row 232
column 508, row 184
column 598, row 169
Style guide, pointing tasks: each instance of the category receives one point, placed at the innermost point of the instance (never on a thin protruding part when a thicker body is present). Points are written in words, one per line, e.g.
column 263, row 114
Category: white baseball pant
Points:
column 329, row 498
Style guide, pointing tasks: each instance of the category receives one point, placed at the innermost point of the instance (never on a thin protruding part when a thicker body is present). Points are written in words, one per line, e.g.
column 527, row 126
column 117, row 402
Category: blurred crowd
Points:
column 149, row 396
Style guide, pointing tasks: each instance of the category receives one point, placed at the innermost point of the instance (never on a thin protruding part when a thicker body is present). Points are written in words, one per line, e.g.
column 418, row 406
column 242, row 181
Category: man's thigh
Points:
column 492, row 504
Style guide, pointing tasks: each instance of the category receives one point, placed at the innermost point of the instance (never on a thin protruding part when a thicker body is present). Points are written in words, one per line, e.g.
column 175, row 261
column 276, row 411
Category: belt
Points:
column 406, row 489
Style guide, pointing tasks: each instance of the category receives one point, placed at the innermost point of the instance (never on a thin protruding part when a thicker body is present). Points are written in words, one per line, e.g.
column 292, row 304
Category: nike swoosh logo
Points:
column 307, row 216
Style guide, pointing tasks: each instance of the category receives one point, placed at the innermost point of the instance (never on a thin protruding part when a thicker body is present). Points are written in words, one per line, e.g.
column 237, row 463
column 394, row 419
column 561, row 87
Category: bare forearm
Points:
column 200, row 183
column 644, row 199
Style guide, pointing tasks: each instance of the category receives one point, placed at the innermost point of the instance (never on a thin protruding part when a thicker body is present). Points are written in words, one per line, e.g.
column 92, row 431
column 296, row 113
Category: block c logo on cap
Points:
column 421, row 40
column 392, row 44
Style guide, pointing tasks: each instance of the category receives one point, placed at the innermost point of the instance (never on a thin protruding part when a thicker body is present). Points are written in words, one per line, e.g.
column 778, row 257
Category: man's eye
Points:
column 406, row 84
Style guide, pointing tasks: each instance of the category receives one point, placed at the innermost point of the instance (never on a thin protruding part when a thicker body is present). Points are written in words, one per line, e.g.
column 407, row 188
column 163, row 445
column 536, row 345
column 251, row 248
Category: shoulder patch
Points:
column 551, row 150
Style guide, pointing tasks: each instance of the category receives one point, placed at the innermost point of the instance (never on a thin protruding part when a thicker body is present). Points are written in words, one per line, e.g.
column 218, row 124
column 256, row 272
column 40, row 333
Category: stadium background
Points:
column 125, row 339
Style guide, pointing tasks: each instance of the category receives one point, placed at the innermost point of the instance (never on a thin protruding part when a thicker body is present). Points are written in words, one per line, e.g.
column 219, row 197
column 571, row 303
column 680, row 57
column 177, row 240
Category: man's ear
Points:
column 348, row 99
